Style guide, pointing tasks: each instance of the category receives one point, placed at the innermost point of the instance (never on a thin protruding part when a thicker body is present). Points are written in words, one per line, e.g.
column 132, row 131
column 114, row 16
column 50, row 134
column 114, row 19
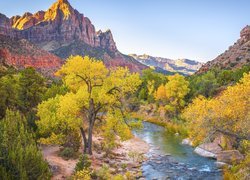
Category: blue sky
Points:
column 194, row 29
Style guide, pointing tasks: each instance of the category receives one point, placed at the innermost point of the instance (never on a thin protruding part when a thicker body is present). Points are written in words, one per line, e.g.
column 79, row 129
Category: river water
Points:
column 169, row 159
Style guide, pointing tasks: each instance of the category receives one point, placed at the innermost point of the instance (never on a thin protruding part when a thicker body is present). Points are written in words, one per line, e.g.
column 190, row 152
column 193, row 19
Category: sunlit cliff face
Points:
column 61, row 8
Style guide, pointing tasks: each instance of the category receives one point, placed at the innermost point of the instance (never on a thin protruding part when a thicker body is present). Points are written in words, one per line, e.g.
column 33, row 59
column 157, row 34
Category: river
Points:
column 169, row 159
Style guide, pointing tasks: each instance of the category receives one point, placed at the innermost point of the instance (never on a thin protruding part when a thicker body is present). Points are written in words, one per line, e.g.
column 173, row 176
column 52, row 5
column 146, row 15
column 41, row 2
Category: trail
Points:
column 61, row 168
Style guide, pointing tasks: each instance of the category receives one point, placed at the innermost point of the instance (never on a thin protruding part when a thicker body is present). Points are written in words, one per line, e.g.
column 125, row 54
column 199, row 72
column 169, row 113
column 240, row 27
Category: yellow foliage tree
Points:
column 176, row 90
column 160, row 93
column 228, row 113
column 95, row 93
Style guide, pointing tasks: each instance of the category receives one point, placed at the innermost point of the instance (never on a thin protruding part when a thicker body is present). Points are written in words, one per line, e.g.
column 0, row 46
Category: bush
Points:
column 82, row 175
column 68, row 153
column 118, row 177
column 83, row 163
column 104, row 173
column 72, row 140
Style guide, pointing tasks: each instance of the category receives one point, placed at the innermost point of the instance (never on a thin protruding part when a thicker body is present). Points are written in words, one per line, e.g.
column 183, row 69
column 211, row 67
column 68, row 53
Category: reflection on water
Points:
column 183, row 162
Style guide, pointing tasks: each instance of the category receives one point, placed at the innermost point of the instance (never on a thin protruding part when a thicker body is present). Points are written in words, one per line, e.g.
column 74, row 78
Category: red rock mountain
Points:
column 236, row 56
column 64, row 31
column 22, row 53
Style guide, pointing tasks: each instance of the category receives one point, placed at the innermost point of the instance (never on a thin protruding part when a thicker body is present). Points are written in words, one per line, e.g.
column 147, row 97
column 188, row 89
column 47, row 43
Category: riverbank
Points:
column 170, row 126
column 128, row 157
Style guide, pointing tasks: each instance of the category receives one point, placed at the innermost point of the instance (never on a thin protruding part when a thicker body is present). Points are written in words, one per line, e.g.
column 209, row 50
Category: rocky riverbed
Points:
column 169, row 159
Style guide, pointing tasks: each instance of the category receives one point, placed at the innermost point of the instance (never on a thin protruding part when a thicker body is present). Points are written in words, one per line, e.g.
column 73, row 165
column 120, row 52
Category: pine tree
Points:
column 20, row 157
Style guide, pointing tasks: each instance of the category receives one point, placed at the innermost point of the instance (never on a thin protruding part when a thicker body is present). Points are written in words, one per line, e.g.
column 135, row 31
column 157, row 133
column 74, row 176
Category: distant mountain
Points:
column 236, row 56
column 184, row 66
column 63, row 31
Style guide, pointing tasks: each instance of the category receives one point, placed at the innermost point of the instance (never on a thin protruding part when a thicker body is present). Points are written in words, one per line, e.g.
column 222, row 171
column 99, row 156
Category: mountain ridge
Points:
column 184, row 66
column 236, row 56
column 62, row 27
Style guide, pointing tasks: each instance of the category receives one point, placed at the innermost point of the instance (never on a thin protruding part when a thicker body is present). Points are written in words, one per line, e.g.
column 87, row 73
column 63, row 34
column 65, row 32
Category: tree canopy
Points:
column 95, row 94
column 228, row 113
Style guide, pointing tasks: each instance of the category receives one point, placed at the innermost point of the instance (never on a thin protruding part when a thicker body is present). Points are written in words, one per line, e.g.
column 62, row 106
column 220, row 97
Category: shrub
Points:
column 83, row 163
column 104, row 173
column 82, row 175
column 67, row 153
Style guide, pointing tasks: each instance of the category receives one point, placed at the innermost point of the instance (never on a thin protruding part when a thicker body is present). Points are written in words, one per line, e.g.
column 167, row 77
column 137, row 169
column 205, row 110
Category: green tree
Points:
column 9, row 93
column 56, row 88
column 20, row 157
column 94, row 91
column 205, row 85
column 32, row 88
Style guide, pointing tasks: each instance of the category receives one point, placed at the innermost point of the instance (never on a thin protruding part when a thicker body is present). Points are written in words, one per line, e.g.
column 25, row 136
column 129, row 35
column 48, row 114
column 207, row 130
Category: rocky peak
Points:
column 236, row 56
column 26, row 21
column 59, row 8
column 245, row 34
column 5, row 25
column 106, row 40
column 64, row 31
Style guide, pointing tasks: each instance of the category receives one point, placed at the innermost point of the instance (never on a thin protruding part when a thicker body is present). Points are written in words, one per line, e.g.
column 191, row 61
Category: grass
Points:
column 172, row 127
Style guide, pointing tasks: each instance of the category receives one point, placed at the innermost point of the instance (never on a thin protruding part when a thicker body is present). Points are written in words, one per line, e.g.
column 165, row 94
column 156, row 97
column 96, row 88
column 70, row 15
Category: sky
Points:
column 193, row 29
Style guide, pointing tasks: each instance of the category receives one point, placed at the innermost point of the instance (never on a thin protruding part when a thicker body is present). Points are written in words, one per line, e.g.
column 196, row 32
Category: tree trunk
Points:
column 85, row 141
column 90, row 141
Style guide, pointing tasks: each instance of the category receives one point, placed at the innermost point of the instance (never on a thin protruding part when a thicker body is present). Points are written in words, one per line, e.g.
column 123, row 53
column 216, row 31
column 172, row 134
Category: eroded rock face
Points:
column 60, row 27
column 62, row 23
column 245, row 34
column 236, row 56
column 230, row 156
column 21, row 53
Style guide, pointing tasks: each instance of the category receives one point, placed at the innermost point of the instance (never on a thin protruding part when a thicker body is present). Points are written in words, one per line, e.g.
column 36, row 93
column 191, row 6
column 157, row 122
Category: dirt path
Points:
column 61, row 168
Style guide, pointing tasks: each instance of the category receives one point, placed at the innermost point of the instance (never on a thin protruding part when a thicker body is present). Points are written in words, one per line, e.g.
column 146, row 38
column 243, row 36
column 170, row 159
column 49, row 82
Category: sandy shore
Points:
column 127, row 157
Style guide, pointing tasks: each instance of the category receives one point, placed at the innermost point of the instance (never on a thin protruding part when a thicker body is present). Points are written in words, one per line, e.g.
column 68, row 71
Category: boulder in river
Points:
column 204, row 152
column 230, row 156
column 187, row 141
column 221, row 165
column 208, row 149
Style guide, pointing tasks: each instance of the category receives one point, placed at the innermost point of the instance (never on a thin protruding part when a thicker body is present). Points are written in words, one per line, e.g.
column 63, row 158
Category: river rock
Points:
column 230, row 156
column 187, row 141
column 221, row 165
column 204, row 153
column 208, row 149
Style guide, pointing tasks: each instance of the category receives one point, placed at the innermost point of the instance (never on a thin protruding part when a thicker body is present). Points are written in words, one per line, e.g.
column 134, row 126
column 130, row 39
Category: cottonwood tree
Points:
column 95, row 93
column 176, row 90
column 228, row 113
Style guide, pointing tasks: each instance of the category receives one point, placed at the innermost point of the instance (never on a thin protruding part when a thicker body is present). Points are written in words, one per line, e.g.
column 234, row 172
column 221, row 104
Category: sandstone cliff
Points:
column 21, row 53
column 64, row 31
column 235, row 57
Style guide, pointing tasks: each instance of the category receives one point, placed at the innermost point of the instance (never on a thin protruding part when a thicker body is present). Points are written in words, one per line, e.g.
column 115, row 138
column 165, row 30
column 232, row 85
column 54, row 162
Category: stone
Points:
column 212, row 147
column 221, row 165
column 204, row 153
column 230, row 156
column 187, row 141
